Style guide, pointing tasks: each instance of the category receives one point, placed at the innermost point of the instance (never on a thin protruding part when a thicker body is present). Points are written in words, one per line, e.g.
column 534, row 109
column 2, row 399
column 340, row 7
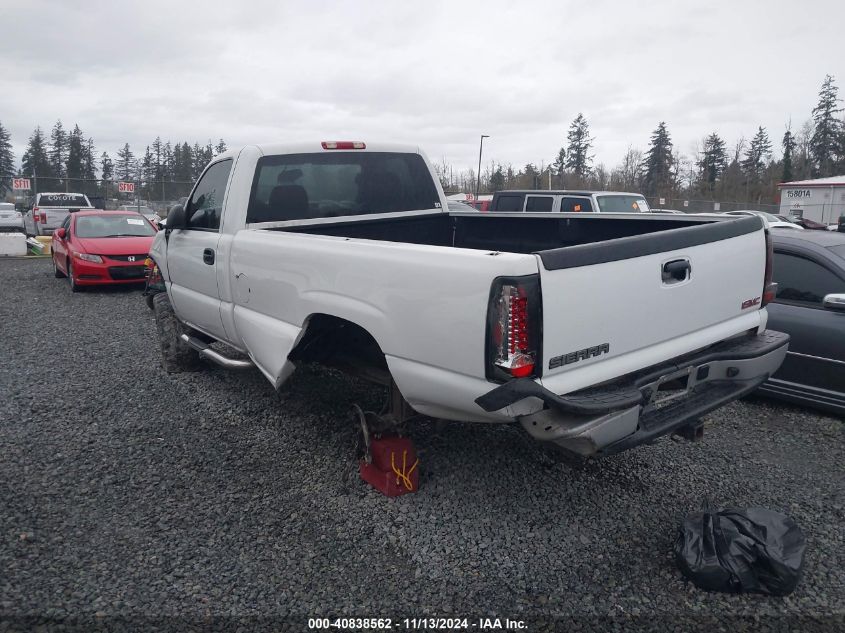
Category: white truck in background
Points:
column 49, row 210
column 596, row 331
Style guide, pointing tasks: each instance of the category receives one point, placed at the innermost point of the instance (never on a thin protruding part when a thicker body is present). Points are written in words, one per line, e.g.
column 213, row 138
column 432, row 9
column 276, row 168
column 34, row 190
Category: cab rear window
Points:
column 309, row 186
column 63, row 200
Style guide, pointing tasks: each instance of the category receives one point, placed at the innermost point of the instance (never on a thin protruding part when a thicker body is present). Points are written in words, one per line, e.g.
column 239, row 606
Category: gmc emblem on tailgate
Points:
column 748, row 303
column 581, row 354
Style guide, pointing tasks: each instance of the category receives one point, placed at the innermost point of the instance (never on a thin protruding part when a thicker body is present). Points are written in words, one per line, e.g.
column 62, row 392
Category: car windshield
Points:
column 127, row 225
column 622, row 204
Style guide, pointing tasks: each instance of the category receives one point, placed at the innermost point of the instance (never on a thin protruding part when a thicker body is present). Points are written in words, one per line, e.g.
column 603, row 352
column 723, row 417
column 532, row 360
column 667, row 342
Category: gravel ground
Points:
column 129, row 493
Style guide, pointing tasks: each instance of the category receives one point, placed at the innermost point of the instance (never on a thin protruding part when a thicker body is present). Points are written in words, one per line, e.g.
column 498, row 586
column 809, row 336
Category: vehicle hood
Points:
column 116, row 245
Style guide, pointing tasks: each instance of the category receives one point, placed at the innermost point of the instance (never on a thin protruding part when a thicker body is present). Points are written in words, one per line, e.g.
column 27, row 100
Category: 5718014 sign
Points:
column 126, row 187
column 20, row 184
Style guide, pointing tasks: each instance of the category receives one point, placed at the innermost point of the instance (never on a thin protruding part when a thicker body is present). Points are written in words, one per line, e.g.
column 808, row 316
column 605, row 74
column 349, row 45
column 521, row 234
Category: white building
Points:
column 822, row 199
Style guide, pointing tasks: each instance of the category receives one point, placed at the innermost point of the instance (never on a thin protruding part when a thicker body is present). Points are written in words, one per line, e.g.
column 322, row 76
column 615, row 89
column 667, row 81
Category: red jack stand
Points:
column 393, row 469
column 390, row 463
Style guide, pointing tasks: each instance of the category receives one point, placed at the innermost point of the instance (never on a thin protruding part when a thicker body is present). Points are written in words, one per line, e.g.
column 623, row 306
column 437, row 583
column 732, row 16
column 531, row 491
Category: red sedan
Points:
column 95, row 248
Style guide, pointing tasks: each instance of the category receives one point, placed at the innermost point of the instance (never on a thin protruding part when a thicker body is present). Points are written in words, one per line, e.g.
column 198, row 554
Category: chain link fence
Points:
column 103, row 194
column 688, row 205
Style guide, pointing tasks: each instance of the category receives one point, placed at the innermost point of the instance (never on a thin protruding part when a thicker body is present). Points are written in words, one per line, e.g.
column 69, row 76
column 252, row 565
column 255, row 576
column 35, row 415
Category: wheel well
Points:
column 336, row 342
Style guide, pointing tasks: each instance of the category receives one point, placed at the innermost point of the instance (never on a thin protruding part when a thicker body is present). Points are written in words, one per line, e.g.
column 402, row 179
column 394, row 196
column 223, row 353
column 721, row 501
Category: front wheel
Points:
column 176, row 355
column 56, row 270
column 74, row 287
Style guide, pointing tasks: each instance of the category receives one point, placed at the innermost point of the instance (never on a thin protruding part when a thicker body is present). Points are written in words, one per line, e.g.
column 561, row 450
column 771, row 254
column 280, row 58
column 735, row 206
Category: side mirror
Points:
column 834, row 301
column 177, row 218
column 60, row 233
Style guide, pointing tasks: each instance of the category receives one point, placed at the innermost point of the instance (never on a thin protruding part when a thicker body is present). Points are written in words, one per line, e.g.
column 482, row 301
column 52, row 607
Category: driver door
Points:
column 192, row 253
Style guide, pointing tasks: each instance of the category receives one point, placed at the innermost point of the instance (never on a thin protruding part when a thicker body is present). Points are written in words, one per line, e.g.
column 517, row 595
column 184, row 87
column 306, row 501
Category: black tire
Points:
column 176, row 355
column 74, row 287
column 56, row 270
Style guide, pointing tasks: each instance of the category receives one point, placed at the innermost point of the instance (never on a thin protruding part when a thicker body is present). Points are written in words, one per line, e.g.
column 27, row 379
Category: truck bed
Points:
column 543, row 234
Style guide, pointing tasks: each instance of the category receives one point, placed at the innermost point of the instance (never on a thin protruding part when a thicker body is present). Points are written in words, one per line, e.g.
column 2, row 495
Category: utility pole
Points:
column 478, row 176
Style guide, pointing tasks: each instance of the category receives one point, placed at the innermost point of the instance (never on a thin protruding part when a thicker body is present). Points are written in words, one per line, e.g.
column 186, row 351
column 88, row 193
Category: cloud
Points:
column 434, row 73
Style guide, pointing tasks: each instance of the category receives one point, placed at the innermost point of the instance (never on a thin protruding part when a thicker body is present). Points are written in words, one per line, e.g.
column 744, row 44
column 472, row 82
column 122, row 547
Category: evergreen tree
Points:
column 36, row 161
column 148, row 168
column 197, row 161
column 221, row 147
column 497, row 180
column 759, row 151
column 827, row 129
column 125, row 167
column 58, row 151
column 578, row 157
column 7, row 162
column 73, row 164
column 89, row 162
column 788, row 144
column 658, row 177
column 713, row 161
column 167, row 162
column 106, row 168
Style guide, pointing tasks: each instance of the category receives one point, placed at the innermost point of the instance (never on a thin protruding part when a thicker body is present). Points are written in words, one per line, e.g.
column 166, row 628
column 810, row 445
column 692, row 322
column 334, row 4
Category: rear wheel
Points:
column 176, row 355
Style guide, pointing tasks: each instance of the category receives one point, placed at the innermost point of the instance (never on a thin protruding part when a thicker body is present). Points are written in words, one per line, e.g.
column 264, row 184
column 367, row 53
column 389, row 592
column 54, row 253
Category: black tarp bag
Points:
column 734, row 550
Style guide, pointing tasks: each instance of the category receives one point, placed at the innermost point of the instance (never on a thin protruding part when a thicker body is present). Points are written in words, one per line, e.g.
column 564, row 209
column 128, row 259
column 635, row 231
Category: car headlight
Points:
column 89, row 258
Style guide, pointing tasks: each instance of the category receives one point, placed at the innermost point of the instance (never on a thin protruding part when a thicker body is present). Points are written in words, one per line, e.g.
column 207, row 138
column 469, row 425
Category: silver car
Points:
column 10, row 218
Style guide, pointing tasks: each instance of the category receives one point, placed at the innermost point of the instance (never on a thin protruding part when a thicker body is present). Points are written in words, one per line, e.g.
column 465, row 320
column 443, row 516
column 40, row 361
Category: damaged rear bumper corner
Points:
column 637, row 408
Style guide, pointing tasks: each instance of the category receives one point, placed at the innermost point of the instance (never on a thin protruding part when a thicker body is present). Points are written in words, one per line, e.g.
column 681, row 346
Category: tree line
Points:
column 67, row 160
column 744, row 172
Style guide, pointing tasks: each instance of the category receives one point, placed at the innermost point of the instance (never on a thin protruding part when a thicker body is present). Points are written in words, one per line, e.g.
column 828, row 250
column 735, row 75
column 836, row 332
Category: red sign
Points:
column 20, row 183
column 126, row 187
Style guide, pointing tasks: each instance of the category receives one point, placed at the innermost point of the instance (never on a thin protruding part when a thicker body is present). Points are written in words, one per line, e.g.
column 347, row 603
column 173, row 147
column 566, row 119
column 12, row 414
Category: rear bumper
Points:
column 643, row 406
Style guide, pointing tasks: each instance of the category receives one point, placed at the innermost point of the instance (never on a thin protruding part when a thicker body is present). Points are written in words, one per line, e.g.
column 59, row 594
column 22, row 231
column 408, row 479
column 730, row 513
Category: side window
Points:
column 575, row 205
column 509, row 203
column 539, row 203
column 206, row 203
column 804, row 281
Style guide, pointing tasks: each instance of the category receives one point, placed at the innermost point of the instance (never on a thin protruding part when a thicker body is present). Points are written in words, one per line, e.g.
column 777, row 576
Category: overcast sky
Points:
column 438, row 74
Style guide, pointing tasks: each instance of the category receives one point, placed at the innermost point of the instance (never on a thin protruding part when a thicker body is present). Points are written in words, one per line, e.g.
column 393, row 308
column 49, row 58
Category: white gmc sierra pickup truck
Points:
column 597, row 332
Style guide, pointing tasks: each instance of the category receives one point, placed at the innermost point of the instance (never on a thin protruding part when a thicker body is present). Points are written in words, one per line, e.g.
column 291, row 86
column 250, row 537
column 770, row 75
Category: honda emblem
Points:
column 131, row 258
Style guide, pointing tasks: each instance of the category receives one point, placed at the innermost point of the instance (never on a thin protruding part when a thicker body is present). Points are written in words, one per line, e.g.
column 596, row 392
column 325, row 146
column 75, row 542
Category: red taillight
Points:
column 35, row 217
column 44, row 217
column 343, row 145
column 513, row 328
column 769, row 288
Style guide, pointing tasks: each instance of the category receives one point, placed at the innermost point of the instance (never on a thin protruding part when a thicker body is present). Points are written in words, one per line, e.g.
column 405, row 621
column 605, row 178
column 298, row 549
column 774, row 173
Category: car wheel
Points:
column 56, row 270
column 176, row 355
column 74, row 287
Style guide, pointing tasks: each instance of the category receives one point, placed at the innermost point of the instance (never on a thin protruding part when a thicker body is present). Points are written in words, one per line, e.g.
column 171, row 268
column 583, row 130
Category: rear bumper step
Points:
column 635, row 409
column 215, row 356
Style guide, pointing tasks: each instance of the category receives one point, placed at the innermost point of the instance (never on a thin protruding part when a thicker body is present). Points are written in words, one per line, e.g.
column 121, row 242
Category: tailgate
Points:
column 55, row 217
column 607, row 299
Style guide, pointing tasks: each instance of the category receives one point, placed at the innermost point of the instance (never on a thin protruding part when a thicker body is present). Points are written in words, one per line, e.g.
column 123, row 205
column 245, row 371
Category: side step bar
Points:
column 215, row 357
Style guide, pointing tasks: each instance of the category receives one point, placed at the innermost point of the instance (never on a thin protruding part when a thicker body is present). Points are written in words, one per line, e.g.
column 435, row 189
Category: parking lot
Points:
column 128, row 492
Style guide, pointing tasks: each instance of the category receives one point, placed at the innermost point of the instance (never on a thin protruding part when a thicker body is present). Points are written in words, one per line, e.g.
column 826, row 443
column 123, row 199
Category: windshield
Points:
column 63, row 200
column 622, row 204
column 113, row 226
column 144, row 210
column 304, row 186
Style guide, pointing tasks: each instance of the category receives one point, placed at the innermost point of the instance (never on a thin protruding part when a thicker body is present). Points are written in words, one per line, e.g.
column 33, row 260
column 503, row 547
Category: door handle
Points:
column 208, row 256
column 676, row 270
